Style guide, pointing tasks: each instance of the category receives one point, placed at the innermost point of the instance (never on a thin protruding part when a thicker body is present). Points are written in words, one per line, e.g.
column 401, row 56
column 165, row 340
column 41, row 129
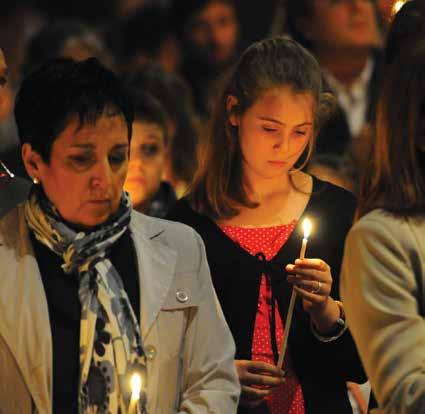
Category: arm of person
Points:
column 210, row 383
column 379, row 290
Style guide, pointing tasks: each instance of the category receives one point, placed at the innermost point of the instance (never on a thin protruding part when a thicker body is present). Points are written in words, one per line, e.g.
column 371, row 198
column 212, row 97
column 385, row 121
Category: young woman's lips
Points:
column 277, row 163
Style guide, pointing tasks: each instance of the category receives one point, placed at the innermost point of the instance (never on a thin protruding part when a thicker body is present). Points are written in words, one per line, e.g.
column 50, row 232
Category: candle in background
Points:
column 307, row 230
column 136, row 386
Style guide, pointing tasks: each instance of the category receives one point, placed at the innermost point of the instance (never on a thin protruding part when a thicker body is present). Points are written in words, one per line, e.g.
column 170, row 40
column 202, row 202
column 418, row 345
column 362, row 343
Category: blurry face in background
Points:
column 85, row 176
column 5, row 91
column 343, row 24
column 147, row 157
column 214, row 31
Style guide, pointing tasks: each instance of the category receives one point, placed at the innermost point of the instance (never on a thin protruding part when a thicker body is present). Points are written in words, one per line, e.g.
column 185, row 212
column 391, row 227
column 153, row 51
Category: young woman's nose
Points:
column 282, row 143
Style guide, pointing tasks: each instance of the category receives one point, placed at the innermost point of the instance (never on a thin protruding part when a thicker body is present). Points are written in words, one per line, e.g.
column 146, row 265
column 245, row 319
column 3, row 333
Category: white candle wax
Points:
column 287, row 327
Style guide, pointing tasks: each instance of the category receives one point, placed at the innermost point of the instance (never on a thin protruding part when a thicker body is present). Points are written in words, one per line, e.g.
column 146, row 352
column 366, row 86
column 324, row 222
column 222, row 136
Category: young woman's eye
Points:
column 150, row 150
column 118, row 158
column 269, row 129
column 301, row 133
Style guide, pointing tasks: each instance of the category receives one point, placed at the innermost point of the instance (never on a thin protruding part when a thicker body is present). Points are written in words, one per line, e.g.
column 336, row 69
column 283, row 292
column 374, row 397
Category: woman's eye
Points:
column 301, row 133
column 117, row 159
column 150, row 150
column 80, row 160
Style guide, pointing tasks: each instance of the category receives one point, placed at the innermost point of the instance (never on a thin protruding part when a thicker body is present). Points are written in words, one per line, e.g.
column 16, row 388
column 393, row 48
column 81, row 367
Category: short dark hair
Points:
column 62, row 89
column 175, row 96
column 148, row 109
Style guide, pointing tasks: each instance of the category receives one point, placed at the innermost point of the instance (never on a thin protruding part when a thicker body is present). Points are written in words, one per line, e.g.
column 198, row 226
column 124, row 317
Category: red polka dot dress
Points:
column 288, row 399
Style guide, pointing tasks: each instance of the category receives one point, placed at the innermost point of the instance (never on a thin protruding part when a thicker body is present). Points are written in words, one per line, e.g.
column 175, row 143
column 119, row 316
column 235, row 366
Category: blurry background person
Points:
column 69, row 38
column 149, row 194
column 144, row 37
column 345, row 38
column 183, row 128
column 383, row 273
column 209, row 35
column 13, row 189
column 90, row 290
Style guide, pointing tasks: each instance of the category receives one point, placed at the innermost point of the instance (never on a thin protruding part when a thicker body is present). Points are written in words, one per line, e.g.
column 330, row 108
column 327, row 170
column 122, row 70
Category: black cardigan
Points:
column 322, row 368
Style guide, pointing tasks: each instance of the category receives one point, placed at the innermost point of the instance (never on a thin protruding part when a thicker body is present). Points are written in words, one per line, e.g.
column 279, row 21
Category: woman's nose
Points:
column 101, row 177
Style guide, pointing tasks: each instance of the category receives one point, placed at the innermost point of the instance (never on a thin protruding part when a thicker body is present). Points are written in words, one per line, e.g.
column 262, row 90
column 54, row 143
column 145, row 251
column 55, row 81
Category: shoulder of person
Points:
column 382, row 225
column 175, row 235
column 10, row 224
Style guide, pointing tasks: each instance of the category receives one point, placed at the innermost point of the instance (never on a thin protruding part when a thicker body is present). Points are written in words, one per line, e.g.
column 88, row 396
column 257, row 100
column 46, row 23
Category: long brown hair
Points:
column 395, row 179
column 218, row 188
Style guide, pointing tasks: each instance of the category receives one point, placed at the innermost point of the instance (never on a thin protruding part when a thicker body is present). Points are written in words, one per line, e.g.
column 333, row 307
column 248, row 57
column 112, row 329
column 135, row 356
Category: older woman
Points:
column 91, row 292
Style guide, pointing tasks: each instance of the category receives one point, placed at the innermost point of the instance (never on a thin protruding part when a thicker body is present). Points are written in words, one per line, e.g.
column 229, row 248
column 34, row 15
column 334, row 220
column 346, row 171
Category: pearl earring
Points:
column 35, row 180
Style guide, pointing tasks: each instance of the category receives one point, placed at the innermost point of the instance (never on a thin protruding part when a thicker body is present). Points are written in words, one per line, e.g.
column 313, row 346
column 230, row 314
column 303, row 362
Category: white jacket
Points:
column 189, row 346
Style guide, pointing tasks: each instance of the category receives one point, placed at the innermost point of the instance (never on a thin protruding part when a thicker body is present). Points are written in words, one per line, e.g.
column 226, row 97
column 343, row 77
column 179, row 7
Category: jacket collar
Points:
column 156, row 263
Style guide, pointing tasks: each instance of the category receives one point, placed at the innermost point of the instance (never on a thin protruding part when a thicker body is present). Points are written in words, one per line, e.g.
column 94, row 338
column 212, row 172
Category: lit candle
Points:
column 397, row 6
column 307, row 230
column 136, row 386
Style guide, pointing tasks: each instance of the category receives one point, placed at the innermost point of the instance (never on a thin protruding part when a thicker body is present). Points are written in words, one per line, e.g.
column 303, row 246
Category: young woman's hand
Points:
column 258, row 379
column 312, row 280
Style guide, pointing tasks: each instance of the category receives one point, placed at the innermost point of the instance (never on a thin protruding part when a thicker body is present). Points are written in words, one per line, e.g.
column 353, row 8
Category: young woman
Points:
column 248, row 201
column 384, row 261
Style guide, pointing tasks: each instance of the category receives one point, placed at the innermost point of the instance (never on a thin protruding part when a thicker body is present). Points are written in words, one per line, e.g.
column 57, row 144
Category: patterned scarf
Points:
column 110, row 342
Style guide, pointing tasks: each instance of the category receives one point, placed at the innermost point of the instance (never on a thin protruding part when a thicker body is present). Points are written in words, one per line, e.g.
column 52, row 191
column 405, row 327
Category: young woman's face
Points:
column 147, row 157
column 274, row 132
column 85, row 176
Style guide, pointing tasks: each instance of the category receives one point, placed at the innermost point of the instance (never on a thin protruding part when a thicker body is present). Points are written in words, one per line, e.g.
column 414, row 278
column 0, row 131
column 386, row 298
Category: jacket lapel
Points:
column 24, row 322
column 156, row 263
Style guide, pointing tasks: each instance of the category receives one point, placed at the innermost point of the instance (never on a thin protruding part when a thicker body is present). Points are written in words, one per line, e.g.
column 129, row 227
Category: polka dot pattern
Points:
column 269, row 240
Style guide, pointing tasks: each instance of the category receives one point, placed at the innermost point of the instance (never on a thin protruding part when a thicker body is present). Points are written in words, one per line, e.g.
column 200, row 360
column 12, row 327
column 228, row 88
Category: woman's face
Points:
column 274, row 132
column 87, row 170
column 147, row 157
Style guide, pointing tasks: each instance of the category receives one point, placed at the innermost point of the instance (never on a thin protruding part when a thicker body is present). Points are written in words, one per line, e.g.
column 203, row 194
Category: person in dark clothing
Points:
column 247, row 201
column 13, row 189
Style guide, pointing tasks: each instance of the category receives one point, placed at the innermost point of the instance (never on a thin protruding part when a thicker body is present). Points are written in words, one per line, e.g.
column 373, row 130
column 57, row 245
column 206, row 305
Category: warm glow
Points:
column 307, row 228
column 397, row 6
column 136, row 385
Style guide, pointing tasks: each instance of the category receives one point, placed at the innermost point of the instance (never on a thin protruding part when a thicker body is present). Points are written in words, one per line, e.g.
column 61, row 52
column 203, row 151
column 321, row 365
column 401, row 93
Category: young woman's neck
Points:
column 260, row 189
column 345, row 65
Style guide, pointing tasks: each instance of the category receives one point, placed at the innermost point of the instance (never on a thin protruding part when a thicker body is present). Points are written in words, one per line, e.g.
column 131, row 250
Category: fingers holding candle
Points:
column 312, row 279
column 258, row 380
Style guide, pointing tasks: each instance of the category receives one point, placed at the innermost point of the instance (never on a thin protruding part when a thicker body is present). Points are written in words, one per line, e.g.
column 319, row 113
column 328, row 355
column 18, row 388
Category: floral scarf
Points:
column 110, row 341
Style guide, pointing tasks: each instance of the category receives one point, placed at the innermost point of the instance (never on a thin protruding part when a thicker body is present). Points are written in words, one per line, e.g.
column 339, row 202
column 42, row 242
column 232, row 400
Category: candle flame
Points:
column 397, row 6
column 307, row 228
column 136, row 385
